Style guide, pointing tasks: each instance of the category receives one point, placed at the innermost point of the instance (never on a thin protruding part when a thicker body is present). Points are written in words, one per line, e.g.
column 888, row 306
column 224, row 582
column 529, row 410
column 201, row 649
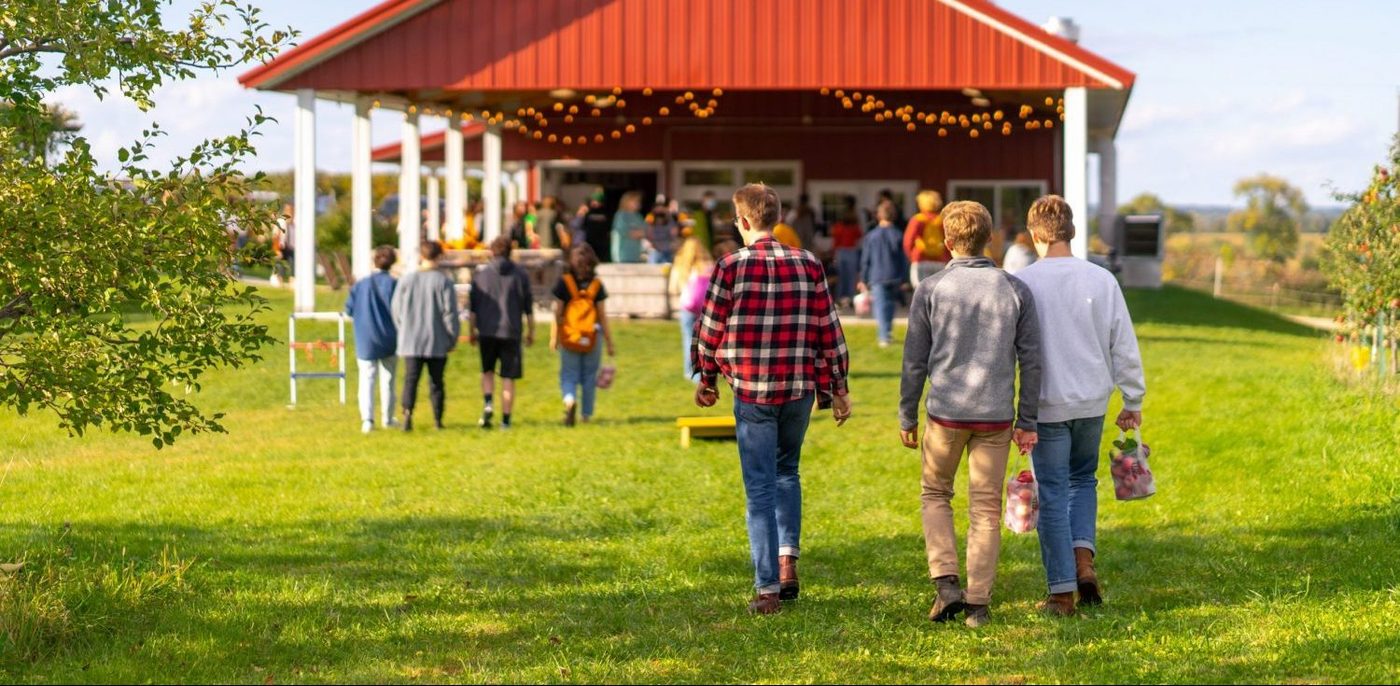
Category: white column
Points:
column 491, row 185
column 361, row 233
column 1108, row 186
column 512, row 196
column 434, row 207
column 456, row 181
column 1076, row 165
column 304, row 199
column 410, row 172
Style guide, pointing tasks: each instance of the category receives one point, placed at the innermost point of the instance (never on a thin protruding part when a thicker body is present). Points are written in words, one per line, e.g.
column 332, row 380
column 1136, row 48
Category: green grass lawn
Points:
column 295, row 549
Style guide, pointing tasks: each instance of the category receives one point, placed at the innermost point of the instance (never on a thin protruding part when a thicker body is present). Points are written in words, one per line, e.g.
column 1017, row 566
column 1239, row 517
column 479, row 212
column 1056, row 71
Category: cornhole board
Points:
column 705, row 427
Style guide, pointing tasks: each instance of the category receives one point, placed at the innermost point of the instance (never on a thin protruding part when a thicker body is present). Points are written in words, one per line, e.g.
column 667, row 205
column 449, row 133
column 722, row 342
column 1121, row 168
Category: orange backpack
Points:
column 579, row 332
column 929, row 242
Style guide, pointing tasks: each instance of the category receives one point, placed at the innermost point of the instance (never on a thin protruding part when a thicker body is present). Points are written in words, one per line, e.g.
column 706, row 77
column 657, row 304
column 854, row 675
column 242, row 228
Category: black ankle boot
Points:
column 408, row 420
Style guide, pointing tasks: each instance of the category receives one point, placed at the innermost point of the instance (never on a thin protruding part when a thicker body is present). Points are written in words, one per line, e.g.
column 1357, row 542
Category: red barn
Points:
column 826, row 97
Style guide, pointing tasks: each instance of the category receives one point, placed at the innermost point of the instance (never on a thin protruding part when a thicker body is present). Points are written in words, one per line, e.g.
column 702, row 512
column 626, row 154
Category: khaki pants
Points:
column 987, row 456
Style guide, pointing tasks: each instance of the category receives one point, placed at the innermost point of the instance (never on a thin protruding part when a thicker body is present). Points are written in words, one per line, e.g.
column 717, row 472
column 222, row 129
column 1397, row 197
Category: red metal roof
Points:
column 440, row 49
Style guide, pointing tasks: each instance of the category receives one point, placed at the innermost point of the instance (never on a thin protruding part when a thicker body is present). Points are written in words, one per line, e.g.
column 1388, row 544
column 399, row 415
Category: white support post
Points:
column 456, row 181
column 512, row 196
column 1108, row 187
column 434, row 207
column 304, row 200
column 410, row 172
column 361, row 233
column 1076, row 165
column 491, row 185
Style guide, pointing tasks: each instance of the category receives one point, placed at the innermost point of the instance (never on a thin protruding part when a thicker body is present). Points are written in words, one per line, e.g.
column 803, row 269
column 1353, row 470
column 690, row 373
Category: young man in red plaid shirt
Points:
column 769, row 327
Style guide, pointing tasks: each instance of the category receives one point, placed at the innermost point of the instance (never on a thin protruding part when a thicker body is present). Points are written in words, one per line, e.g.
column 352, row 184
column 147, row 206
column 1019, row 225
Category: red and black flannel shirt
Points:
column 769, row 327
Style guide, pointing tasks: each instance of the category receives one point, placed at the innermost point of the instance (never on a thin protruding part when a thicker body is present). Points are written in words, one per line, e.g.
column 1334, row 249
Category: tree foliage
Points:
column 1362, row 254
column 1148, row 203
column 116, row 293
column 1273, row 213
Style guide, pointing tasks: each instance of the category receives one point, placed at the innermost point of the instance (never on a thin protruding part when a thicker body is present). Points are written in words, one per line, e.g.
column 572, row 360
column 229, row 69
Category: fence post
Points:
column 1376, row 341
column 1380, row 342
column 1219, row 269
column 1273, row 297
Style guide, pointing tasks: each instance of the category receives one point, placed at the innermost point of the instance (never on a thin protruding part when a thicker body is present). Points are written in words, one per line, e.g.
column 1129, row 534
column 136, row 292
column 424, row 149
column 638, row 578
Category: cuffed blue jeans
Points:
column 578, row 375
column 1066, row 460
column 885, row 297
column 770, row 446
column 687, row 321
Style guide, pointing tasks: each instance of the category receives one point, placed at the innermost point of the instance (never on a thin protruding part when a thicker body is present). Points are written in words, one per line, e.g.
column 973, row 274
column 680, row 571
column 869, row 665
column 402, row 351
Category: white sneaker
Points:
column 366, row 427
column 391, row 423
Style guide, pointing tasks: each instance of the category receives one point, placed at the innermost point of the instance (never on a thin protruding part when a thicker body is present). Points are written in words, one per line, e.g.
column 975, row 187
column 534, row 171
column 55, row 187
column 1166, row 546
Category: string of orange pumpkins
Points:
column 988, row 119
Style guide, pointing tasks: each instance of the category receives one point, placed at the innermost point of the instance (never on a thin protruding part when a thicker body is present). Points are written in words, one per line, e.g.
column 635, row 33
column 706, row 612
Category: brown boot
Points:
column 1089, row 591
column 765, row 604
column 787, row 577
column 1057, row 605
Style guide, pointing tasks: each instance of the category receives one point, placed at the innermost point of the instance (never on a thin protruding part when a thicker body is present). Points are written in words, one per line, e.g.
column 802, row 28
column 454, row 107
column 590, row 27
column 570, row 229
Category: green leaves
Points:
column 1362, row 255
column 1273, row 212
column 115, row 291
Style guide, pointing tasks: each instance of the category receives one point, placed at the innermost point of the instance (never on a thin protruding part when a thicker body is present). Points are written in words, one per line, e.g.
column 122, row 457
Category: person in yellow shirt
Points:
column 787, row 235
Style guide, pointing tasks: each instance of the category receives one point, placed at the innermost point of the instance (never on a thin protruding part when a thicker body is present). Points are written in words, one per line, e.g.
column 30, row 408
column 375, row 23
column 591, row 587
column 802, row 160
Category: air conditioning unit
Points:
column 1141, row 247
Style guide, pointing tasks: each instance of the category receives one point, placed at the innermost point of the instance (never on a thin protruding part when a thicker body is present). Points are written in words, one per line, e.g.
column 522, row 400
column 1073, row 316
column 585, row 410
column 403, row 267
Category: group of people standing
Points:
column 627, row 235
column 416, row 318
column 770, row 327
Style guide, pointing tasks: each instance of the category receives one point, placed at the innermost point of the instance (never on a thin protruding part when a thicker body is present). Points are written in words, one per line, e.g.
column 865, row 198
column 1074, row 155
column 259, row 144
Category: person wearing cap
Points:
column 591, row 226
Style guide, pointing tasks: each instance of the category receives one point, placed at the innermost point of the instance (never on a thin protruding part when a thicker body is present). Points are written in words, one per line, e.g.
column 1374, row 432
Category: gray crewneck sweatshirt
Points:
column 969, row 327
column 1088, row 339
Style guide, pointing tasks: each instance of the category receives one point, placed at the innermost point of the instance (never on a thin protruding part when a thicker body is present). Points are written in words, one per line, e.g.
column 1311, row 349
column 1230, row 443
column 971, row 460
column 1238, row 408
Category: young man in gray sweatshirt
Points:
column 1089, row 347
column 970, row 326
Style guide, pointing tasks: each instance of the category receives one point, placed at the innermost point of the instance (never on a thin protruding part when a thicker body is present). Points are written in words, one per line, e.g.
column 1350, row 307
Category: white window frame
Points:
column 693, row 193
column 864, row 189
column 996, row 185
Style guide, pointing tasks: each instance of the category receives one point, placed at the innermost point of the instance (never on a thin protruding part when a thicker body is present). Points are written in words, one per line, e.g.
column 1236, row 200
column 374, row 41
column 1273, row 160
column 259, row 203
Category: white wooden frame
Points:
column 996, row 185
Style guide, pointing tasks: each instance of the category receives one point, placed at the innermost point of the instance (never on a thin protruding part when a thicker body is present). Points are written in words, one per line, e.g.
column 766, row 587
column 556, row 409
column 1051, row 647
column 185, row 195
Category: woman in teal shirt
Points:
column 628, row 229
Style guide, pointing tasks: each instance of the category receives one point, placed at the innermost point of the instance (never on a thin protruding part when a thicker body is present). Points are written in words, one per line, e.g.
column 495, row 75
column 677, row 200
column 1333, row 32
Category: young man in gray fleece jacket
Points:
column 970, row 325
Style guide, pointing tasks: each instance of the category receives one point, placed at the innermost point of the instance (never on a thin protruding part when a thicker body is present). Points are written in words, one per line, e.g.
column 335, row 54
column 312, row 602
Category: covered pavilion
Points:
column 825, row 97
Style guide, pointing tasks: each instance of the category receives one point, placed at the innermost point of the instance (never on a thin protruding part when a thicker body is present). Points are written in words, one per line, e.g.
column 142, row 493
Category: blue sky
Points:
column 1225, row 89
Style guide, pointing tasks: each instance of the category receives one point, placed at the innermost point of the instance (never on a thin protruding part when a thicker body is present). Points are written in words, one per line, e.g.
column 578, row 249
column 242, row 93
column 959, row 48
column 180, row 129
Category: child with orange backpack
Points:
column 580, row 318
column 923, row 239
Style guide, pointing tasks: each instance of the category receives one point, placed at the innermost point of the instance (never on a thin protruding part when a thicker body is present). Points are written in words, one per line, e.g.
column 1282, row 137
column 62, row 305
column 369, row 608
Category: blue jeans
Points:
column 580, row 370
column 687, row 320
column 884, row 299
column 770, row 446
column 1066, row 459
column 847, row 271
column 660, row 257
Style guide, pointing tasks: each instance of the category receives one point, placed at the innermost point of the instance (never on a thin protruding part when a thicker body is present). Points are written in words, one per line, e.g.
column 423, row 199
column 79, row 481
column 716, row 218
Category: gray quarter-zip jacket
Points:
column 970, row 325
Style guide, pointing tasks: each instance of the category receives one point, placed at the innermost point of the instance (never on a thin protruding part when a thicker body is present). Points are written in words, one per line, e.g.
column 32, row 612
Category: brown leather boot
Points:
column 765, row 604
column 787, row 577
column 1089, row 591
column 1057, row 605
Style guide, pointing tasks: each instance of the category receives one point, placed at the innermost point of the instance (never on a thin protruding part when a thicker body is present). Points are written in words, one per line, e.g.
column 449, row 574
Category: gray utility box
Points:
column 1141, row 247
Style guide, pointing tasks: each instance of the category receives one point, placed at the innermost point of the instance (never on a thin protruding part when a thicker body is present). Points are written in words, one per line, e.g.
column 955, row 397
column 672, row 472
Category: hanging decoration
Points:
column 985, row 118
column 544, row 123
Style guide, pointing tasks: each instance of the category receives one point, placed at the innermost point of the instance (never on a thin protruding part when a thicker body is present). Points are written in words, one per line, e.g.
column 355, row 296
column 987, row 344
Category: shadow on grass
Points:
column 1180, row 306
column 497, row 598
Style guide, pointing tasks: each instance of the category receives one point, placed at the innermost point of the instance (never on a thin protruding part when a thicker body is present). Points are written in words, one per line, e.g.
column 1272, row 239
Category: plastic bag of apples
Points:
column 1132, row 477
column 1022, row 501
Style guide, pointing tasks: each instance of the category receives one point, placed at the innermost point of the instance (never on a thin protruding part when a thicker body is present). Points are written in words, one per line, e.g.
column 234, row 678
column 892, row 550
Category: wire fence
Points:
column 1274, row 297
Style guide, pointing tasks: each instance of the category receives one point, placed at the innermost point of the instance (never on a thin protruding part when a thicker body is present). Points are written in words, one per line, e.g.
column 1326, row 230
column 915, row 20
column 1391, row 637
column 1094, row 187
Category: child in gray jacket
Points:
column 970, row 326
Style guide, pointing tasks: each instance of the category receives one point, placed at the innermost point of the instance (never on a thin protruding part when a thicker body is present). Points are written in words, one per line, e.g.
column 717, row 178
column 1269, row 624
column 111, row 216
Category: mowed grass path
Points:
column 606, row 553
